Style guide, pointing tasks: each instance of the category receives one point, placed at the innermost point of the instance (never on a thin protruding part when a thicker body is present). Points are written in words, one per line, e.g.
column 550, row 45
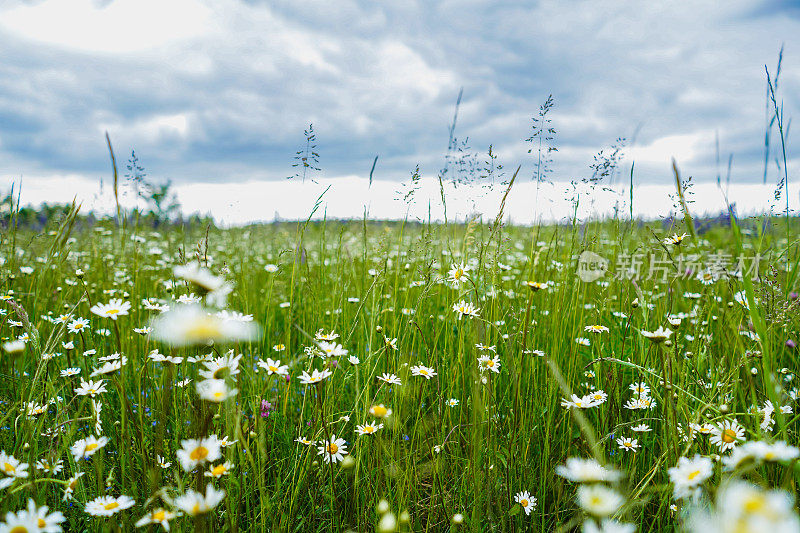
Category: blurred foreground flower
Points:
column 743, row 507
column 191, row 324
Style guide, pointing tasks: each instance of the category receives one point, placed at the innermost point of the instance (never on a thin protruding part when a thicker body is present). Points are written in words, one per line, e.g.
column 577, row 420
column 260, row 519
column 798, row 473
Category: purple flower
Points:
column 791, row 344
column 265, row 408
column 793, row 296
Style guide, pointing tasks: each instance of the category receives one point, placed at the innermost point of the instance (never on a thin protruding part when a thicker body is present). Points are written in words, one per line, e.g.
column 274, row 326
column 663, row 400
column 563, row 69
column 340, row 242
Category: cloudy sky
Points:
column 215, row 95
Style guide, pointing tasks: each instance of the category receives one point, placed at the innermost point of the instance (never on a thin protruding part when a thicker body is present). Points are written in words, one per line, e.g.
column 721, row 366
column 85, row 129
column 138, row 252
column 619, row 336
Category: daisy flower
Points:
column 20, row 522
column 689, row 474
column 657, row 336
column 368, row 428
column 78, row 325
column 158, row 516
column 380, row 411
column 192, row 325
column 586, row 471
column 214, row 390
column 463, row 308
column 390, row 378
column 315, row 377
column 220, row 367
column 423, row 371
column 332, row 451
column 71, row 485
column 108, row 505
column 274, row 367
column 628, row 444
column 194, row 452
column 675, row 239
column 727, row 435
column 489, row 363
column 458, row 274
column 194, row 503
column 599, row 500
column 12, row 467
column 219, row 470
column 526, row 501
column 113, row 309
column 50, row 468
column 85, row 448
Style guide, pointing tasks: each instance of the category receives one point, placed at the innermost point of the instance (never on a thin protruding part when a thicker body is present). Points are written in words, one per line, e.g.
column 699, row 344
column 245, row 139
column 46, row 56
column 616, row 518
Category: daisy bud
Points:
column 348, row 462
column 635, row 303
column 458, row 518
column 724, row 409
column 13, row 347
column 383, row 507
column 388, row 523
column 405, row 517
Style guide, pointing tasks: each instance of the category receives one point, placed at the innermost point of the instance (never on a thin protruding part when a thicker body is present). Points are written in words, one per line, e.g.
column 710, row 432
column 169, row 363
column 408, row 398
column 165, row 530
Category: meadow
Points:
column 417, row 376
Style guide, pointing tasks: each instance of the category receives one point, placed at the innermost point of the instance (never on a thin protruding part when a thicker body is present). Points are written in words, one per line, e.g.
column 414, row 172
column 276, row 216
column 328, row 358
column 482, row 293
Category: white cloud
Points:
column 121, row 26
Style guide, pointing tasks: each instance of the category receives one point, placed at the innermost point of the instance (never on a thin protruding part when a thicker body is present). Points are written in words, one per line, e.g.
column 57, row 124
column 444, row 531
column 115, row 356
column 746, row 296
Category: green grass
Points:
column 506, row 435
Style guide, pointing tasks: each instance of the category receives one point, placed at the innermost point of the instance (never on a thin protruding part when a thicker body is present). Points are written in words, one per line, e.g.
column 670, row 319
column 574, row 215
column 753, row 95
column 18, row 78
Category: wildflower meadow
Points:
column 418, row 376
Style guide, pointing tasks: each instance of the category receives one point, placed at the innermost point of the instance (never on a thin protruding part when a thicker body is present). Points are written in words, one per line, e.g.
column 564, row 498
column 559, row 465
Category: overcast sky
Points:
column 220, row 91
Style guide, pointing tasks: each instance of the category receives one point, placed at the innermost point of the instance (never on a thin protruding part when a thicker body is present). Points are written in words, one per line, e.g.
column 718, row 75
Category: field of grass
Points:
column 444, row 357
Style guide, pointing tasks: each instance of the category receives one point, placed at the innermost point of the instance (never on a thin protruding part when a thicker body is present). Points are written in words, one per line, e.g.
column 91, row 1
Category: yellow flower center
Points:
column 523, row 502
column 458, row 274
column 41, row 523
column 693, row 475
column 219, row 470
column 754, row 504
column 196, row 509
column 112, row 311
column 90, row 447
column 9, row 468
column 379, row 410
column 110, row 506
column 333, row 448
column 203, row 329
column 199, row 453
column 19, row 529
column 159, row 515
column 490, row 363
column 728, row 436
column 273, row 368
